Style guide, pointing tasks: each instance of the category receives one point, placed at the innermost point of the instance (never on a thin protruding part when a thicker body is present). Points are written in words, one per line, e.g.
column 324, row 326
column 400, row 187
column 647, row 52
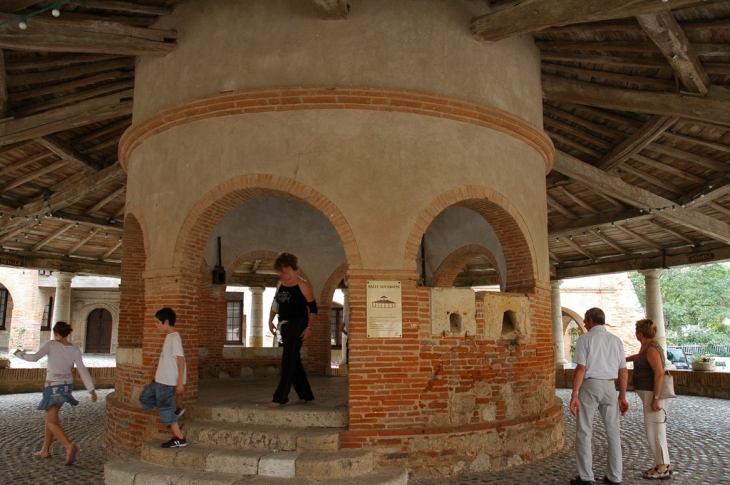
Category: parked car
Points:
column 676, row 356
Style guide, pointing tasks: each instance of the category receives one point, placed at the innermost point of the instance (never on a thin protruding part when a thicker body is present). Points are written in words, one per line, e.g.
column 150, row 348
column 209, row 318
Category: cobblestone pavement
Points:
column 699, row 433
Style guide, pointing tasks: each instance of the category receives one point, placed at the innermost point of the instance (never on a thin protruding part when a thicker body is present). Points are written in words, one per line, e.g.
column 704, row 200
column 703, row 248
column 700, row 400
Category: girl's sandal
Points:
column 655, row 474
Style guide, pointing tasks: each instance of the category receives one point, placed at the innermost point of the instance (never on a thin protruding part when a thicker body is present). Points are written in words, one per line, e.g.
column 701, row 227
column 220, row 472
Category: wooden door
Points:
column 99, row 332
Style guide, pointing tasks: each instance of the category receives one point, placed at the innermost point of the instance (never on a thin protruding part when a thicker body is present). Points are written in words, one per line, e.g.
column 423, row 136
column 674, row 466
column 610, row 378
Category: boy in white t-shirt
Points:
column 170, row 378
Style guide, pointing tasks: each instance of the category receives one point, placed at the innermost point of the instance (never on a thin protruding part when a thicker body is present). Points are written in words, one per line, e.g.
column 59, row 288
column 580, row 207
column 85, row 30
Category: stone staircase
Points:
column 251, row 444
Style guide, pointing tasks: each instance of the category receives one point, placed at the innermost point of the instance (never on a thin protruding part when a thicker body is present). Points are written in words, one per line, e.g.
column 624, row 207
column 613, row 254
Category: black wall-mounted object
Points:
column 219, row 272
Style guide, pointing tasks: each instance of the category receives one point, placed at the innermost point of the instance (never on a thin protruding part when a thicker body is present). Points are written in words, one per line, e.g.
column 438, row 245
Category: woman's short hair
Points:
column 286, row 260
column 646, row 327
column 63, row 329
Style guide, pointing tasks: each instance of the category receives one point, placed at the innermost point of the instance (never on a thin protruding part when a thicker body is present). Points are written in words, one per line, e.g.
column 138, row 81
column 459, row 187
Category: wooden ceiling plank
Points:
column 66, row 197
column 76, row 97
column 556, row 205
column 631, row 123
column 633, row 61
column 678, row 234
column 111, row 142
column 684, row 155
column 556, row 45
column 698, row 141
column 572, row 143
column 708, row 108
column 661, row 84
column 68, row 153
column 594, row 140
column 717, row 68
column 608, row 198
column 332, row 9
column 110, row 128
column 610, row 242
column 60, row 119
column 127, row 7
column 59, row 88
column 666, row 33
column 15, row 5
column 120, row 213
column 668, row 168
column 639, row 237
column 594, row 127
column 22, row 163
column 99, row 37
column 8, row 236
column 106, row 200
column 576, row 169
column 653, row 180
column 708, row 192
column 554, row 257
column 580, row 202
column 579, row 249
column 3, row 87
column 535, row 15
column 52, row 237
column 636, row 142
column 83, row 241
column 33, row 175
column 719, row 208
column 90, row 221
column 56, row 262
column 111, row 250
column 584, row 224
column 75, row 72
column 46, row 63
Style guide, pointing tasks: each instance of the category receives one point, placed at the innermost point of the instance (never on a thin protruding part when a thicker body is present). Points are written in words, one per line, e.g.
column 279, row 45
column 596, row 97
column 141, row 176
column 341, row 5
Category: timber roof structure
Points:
column 636, row 99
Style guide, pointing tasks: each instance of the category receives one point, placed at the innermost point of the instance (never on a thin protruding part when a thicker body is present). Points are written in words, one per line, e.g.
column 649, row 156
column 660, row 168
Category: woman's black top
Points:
column 292, row 303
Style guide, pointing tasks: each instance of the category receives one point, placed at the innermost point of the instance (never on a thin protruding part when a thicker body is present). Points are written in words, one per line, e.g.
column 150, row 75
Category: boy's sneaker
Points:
column 179, row 412
column 175, row 442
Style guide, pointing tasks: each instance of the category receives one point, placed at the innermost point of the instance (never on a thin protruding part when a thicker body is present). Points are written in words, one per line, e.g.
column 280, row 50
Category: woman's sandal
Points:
column 655, row 474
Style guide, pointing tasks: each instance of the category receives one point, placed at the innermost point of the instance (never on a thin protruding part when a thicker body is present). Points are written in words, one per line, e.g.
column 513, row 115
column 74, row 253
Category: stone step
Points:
column 309, row 415
column 256, row 436
column 135, row 472
column 286, row 464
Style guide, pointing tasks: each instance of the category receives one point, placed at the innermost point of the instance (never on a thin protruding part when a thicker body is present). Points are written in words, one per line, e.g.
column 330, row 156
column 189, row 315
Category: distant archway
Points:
column 99, row 332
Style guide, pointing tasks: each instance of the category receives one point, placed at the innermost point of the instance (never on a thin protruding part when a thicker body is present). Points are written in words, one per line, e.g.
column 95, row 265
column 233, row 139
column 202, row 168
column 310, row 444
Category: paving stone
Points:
column 698, row 431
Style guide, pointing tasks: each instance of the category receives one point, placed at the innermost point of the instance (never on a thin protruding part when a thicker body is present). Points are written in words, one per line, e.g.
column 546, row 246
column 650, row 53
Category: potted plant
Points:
column 4, row 362
column 703, row 362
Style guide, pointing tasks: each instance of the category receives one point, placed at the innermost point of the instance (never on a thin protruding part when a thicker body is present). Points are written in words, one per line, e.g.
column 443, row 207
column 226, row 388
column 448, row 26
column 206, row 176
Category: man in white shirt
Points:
column 601, row 360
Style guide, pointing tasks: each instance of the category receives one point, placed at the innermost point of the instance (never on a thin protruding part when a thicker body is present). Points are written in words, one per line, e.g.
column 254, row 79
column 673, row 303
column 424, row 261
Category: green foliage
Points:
column 694, row 295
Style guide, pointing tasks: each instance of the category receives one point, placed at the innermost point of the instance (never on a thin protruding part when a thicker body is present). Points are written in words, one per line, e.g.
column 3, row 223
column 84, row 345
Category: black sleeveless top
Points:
column 292, row 303
column 643, row 373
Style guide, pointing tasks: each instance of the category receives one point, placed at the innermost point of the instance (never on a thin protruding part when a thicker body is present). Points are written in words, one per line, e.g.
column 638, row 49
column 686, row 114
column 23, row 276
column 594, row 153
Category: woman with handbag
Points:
column 648, row 380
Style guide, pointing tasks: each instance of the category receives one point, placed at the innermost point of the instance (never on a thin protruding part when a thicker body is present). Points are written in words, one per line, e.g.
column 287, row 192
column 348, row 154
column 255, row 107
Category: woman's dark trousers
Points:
column 292, row 370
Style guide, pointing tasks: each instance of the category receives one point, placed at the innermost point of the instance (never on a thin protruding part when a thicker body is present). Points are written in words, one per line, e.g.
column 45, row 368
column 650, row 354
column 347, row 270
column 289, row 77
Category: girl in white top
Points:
column 62, row 355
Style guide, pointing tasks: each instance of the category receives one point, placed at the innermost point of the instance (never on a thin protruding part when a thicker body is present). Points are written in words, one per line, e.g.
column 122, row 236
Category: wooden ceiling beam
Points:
column 106, row 200
column 60, row 119
column 556, row 205
column 708, row 108
column 574, row 144
column 719, row 208
column 652, row 180
column 59, row 88
column 630, row 123
column 83, row 241
column 53, row 236
column 90, row 221
column 58, row 75
column 634, row 61
column 579, row 249
column 77, row 97
column 332, row 9
column 639, row 237
column 64, row 198
column 610, row 242
column 578, row 170
column 698, row 141
column 126, row 7
column 666, row 33
column 534, row 15
column 580, row 202
column 22, row 163
column 593, row 140
column 15, row 5
column 606, row 131
column 557, row 45
column 58, row 35
column 33, row 175
column 668, row 168
column 592, row 222
column 636, row 142
column 111, row 250
column 659, row 84
column 46, row 63
column 708, row 192
column 57, row 262
column 68, row 153
column 688, row 156
column 111, row 142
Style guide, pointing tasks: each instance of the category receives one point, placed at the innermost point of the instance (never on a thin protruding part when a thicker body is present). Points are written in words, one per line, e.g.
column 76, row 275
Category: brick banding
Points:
column 339, row 97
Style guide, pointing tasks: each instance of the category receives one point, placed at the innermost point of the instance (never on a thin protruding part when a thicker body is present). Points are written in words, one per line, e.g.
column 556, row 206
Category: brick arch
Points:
column 505, row 219
column 450, row 267
column 567, row 312
column 133, row 209
column 219, row 201
column 329, row 287
column 132, row 302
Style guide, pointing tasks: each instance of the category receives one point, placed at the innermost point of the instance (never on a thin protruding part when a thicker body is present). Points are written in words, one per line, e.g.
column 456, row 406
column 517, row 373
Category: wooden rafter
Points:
column 59, row 35
column 708, row 192
column 556, row 205
column 610, row 242
column 636, row 142
column 601, row 220
column 30, row 109
column 578, row 132
column 534, row 15
column 579, row 249
column 659, row 84
column 668, row 168
column 681, row 236
column 67, row 264
column 78, row 73
column 33, row 175
column 84, row 113
column 111, row 250
column 685, row 155
column 53, row 236
column 83, row 241
column 107, row 199
column 579, row 201
column 22, row 163
column 61, row 199
column 639, row 197
column 659, row 182
column 639, row 62
column 639, row 237
column 126, row 7
column 67, row 152
column 719, row 208
column 666, row 33
column 708, row 108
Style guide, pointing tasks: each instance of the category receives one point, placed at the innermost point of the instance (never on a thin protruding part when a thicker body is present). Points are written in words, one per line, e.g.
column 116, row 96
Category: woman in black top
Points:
column 648, row 377
column 297, row 309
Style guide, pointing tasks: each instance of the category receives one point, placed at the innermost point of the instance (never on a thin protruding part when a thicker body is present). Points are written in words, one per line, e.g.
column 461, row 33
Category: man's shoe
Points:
column 606, row 480
column 579, row 481
column 175, row 442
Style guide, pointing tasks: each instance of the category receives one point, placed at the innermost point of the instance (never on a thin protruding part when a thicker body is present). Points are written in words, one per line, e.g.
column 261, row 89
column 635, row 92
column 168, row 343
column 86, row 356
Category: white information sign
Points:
column 385, row 309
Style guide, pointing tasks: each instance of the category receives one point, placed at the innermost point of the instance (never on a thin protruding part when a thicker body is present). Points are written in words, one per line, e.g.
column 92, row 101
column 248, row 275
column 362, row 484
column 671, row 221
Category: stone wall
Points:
column 14, row 381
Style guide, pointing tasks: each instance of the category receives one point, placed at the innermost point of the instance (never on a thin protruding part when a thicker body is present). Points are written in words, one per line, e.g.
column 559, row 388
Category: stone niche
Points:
column 453, row 312
column 506, row 315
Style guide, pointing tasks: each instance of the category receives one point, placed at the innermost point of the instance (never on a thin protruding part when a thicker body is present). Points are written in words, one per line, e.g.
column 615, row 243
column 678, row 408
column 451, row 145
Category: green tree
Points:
column 693, row 295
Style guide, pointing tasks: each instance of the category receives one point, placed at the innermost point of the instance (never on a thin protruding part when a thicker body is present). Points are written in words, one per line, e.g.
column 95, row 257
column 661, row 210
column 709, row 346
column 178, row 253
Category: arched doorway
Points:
column 99, row 332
